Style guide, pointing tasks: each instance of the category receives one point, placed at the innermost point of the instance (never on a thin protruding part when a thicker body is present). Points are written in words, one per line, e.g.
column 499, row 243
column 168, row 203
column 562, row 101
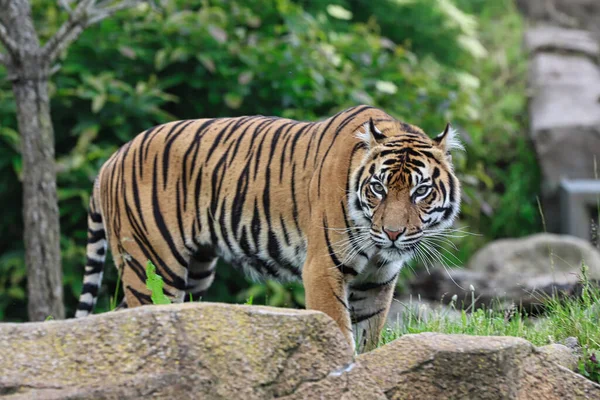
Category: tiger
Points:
column 340, row 204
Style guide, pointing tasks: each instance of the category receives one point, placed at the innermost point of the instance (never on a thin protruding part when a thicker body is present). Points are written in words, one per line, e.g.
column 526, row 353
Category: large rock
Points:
column 568, row 13
column 519, row 271
column 554, row 38
column 564, row 116
column 436, row 366
column 554, row 76
column 186, row 351
column 218, row 351
column 561, row 355
column 564, row 88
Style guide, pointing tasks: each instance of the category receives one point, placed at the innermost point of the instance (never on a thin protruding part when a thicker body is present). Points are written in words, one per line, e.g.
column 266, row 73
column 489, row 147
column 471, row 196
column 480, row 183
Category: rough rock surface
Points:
column 219, row 351
column 436, row 366
column 561, row 355
column 564, row 86
column 548, row 37
column 194, row 350
column 581, row 14
column 514, row 270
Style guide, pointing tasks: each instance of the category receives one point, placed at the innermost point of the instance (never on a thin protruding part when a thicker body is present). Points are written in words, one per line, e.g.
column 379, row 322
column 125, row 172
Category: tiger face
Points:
column 405, row 189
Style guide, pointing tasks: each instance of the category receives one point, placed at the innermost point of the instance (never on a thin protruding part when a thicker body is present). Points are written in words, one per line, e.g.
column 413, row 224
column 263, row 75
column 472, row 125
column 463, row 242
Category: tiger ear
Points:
column 371, row 135
column 448, row 140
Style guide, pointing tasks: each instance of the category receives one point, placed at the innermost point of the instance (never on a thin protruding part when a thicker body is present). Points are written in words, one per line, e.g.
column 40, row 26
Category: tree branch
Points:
column 64, row 4
column 85, row 14
column 3, row 60
column 7, row 41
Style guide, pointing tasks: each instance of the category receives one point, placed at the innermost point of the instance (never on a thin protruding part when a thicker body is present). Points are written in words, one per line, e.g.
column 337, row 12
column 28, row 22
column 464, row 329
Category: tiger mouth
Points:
column 403, row 248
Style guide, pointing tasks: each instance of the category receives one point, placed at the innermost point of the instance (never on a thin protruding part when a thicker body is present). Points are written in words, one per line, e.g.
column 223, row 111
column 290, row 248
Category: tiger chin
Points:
column 340, row 203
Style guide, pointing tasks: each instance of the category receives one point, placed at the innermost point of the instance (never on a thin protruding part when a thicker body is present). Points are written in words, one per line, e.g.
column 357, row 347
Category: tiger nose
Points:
column 392, row 233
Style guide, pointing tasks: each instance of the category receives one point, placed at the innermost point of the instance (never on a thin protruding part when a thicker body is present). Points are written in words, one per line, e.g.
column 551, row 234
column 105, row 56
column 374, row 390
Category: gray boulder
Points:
column 184, row 351
column 436, row 366
column 520, row 271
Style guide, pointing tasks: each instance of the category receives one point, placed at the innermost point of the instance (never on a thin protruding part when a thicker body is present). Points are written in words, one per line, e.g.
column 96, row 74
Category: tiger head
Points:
column 405, row 189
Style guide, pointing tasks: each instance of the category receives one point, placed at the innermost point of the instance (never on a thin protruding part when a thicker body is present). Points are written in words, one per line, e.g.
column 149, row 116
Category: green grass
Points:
column 563, row 318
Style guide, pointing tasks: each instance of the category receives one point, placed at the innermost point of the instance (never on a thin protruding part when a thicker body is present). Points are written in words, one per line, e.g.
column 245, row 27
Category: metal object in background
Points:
column 579, row 201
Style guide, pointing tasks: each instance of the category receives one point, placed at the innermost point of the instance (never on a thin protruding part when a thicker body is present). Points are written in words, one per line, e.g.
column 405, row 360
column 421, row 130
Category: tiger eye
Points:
column 422, row 190
column 378, row 188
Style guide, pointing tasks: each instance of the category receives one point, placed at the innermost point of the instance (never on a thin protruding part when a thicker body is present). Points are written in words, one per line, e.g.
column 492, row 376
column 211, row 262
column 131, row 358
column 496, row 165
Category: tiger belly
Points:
column 276, row 257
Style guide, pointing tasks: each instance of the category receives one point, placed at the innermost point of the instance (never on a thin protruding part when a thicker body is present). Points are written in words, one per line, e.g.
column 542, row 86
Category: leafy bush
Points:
column 420, row 60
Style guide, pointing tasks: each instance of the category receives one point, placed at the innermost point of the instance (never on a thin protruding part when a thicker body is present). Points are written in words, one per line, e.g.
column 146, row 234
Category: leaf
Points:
column 98, row 102
column 217, row 33
column 245, row 78
column 160, row 59
column 339, row 12
column 16, row 292
column 386, row 87
column 472, row 45
column 11, row 137
column 208, row 63
column 128, row 52
column 233, row 100
column 155, row 283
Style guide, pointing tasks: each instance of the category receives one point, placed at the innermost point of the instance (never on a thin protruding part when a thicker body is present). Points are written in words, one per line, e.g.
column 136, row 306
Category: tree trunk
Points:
column 40, row 204
column 29, row 74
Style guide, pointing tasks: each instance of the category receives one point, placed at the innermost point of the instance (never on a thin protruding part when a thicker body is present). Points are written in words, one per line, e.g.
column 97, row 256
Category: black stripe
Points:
column 169, row 139
column 199, row 275
column 179, row 214
column 160, row 222
column 219, row 137
column 344, row 269
column 82, row 306
column 362, row 287
column 95, row 217
column 91, row 288
column 256, row 226
column 286, row 235
column 341, row 126
column 364, row 317
column 309, row 146
column 452, row 190
column 142, row 298
column 136, row 196
column 96, row 236
column 352, row 298
column 325, row 130
column 97, row 266
column 238, row 200
column 341, row 301
column 294, row 201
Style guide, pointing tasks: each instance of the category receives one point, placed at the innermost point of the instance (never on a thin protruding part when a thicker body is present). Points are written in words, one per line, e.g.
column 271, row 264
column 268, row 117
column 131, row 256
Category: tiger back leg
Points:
column 131, row 259
column 201, row 274
column 369, row 304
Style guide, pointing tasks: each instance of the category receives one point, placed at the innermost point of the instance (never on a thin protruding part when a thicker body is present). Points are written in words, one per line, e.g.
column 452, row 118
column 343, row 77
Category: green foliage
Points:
column 589, row 367
column 155, row 284
column 423, row 61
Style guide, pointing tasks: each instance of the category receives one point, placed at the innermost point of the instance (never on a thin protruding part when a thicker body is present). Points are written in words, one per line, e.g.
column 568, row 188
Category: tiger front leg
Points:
column 326, row 290
column 369, row 303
